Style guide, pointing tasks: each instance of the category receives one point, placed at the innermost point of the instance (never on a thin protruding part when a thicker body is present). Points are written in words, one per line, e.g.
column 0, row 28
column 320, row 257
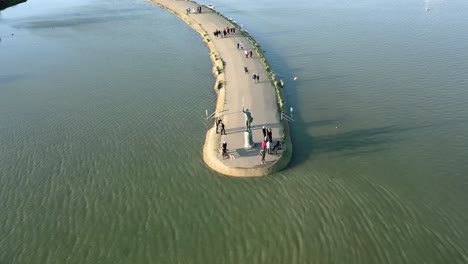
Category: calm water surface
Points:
column 102, row 126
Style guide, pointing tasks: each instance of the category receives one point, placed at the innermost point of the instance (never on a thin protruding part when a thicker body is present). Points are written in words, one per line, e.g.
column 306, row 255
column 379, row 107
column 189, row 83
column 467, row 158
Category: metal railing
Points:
column 287, row 118
column 211, row 116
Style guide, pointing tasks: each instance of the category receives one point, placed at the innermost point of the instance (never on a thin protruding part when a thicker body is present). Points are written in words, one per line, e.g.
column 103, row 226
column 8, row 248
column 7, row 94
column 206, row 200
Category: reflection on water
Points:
column 102, row 126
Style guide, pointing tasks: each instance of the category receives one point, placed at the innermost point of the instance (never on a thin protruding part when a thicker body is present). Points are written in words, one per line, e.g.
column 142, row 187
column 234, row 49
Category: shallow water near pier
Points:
column 102, row 123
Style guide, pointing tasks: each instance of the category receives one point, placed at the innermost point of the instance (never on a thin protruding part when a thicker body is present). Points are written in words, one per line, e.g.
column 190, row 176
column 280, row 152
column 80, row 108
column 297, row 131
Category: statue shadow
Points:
column 253, row 128
column 356, row 142
column 243, row 152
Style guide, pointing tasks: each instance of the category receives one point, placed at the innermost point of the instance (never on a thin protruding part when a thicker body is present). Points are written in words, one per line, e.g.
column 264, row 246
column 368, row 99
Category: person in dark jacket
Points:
column 224, row 148
column 223, row 131
column 269, row 133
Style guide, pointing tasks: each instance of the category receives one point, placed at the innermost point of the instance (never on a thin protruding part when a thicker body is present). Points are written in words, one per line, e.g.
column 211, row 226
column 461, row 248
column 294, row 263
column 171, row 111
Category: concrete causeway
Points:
column 234, row 88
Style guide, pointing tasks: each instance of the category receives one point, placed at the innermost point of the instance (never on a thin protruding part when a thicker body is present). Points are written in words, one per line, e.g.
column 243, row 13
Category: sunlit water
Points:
column 102, row 124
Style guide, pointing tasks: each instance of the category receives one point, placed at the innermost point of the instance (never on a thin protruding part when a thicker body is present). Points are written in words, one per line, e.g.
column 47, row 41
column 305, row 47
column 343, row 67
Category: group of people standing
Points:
column 219, row 124
column 267, row 144
column 222, row 34
column 189, row 10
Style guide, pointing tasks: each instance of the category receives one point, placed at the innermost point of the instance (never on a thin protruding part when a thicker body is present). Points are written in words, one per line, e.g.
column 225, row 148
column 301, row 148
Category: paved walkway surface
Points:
column 239, row 88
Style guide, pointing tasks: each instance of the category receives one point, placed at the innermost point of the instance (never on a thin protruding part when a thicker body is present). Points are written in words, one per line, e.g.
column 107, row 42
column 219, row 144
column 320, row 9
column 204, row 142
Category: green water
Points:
column 102, row 124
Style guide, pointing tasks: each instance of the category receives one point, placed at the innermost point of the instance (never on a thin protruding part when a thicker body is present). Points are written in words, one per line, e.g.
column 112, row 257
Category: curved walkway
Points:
column 235, row 88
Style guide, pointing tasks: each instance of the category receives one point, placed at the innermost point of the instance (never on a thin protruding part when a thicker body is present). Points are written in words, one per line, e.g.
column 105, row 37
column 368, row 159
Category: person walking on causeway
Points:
column 218, row 122
column 224, row 149
column 223, row 131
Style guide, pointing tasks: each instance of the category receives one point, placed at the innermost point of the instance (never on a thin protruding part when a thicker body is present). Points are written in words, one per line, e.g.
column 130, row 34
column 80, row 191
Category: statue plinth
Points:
column 248, row 139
